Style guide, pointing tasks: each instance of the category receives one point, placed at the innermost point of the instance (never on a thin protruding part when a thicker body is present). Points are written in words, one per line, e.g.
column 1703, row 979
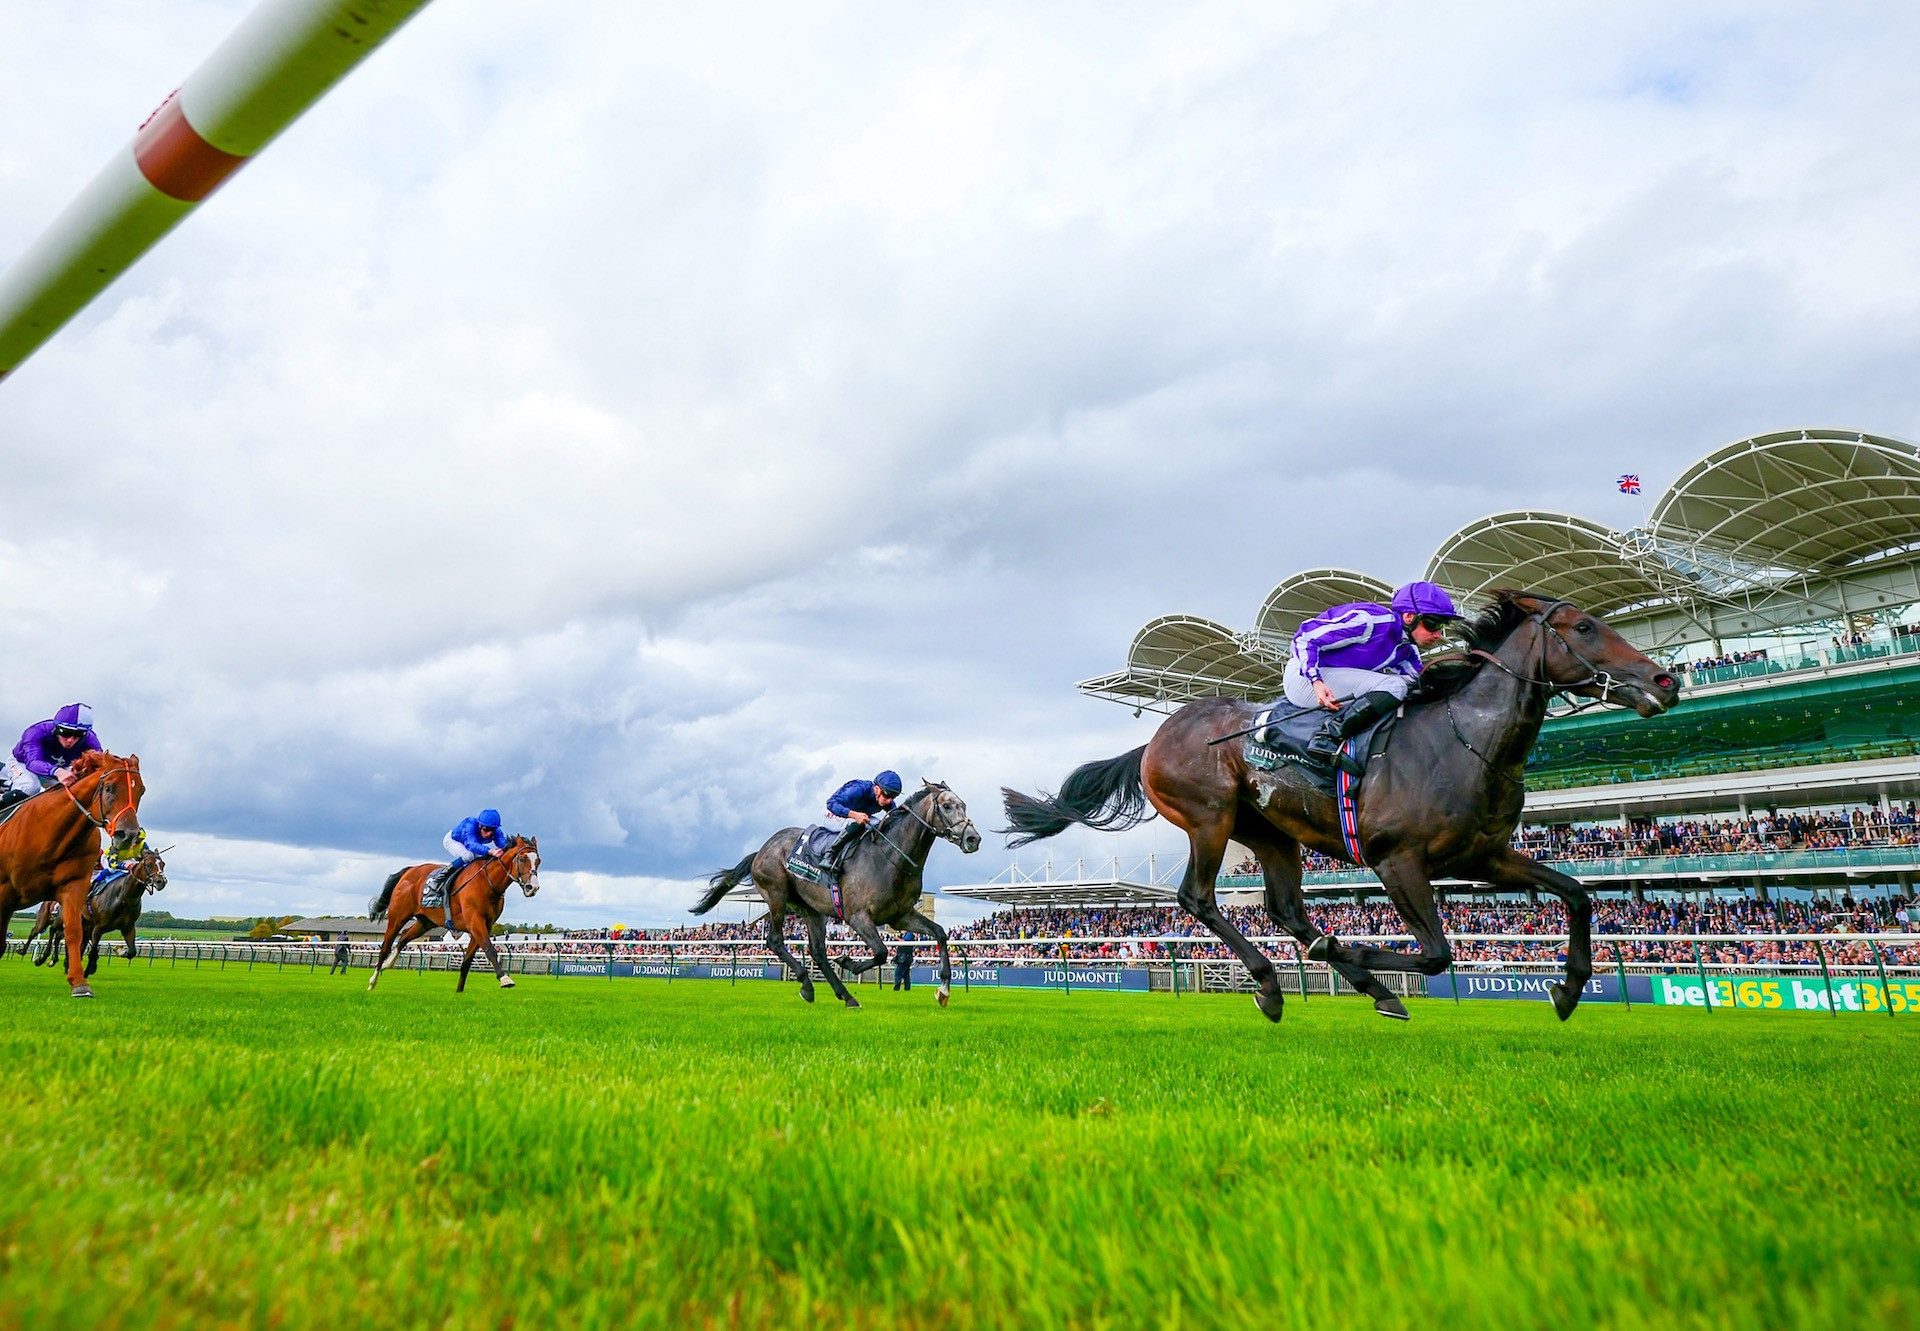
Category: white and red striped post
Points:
column 280, row 60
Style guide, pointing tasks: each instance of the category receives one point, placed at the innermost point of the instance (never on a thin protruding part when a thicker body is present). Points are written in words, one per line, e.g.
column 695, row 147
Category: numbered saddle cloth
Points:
column 1285, row 731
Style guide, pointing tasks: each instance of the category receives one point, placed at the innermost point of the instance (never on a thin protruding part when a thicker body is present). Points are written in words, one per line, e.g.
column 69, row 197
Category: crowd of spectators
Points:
column 1862, row 827
column 1729, row 659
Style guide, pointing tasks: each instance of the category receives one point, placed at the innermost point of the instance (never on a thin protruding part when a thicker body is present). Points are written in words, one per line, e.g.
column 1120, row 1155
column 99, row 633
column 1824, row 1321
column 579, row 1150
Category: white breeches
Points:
column 18, row 778
column 456, row 853
column 1344, row 682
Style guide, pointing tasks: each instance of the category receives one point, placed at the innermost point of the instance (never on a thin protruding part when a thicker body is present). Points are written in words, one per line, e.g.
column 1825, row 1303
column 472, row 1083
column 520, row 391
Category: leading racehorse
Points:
column 1443, row 800
column 50, row 847
column 880, row 884
column 476, row 896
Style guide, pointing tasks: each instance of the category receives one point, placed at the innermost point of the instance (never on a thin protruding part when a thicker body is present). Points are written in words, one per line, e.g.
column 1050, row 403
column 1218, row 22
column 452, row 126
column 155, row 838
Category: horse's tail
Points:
column 722, row 883
column 1107, row 796
column 377, row 908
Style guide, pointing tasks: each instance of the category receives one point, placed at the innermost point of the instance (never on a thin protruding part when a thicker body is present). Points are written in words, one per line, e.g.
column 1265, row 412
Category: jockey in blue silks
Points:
column 1359, row 659
column 470, row 839
column 853, row 807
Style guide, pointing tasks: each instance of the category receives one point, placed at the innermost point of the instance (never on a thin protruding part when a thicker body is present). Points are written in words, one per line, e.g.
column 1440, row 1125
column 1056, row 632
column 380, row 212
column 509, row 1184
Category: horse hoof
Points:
column 81, row 991
column 1564, row 1000
column 506, row 982
column 1391, row 1006
column 806, row 995
column 852, row 1001
column 943, row 996
column 1320, row 948
column 1272, row 1003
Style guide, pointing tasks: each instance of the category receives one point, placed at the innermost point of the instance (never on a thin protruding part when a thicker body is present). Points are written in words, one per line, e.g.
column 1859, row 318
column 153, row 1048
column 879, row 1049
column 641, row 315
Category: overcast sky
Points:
column 642, row 418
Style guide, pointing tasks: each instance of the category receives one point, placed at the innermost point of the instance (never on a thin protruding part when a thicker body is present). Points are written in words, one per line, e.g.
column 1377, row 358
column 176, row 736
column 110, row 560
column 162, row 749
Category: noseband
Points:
column 951, row 834
column 1594, row 675
column 109, row 825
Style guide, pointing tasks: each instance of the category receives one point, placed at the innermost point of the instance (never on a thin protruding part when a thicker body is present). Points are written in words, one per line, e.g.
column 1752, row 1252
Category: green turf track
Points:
column 283, row 1149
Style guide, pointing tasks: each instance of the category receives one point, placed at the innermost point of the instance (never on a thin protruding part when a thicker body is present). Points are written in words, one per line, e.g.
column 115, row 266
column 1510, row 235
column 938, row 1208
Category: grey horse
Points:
column 880, row 884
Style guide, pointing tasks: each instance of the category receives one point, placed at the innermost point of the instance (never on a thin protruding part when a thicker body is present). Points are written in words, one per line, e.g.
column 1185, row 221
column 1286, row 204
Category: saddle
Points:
column 1283, row 731
column 809, row 858
column 14, row 803
column 1279, row 743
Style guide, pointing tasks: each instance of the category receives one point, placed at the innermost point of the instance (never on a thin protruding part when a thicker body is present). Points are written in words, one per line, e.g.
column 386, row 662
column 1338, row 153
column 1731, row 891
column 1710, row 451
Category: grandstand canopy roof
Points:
column 1800, row 527
column 1799, row 500
column 1305, row 595
column 1543, row 551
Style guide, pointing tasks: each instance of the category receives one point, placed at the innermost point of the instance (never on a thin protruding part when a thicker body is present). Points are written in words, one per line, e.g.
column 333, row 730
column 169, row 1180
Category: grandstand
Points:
column 1779, row 577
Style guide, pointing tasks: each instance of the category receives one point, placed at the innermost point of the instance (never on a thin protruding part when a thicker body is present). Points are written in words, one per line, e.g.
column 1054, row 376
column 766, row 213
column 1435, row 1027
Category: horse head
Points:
column 1580, row 653
column 523, row 863
column 112, row 800
column 947, row 816
column 149, row 872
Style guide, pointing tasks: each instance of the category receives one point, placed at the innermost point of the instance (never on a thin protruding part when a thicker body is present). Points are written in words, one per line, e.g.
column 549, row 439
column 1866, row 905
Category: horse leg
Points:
column 1509, row 868
column 386, row 946
column 73, row 912
column 817, row 949
column 777, row 944
column 1207, row 847
column 1404, row 875
column 862, row 924
column 127, row 933
column 493, row 959
column 93, row 936
column 1280, row 863
column 913, row 919
column 466, row 962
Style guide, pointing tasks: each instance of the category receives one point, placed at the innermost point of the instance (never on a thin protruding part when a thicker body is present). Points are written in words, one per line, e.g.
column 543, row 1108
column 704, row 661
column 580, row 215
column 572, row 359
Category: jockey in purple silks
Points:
column 1358, row 660
column 47, row 751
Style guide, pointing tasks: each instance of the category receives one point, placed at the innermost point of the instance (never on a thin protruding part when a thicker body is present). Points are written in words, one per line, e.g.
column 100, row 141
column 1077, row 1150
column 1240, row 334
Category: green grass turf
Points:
column 276, row 1148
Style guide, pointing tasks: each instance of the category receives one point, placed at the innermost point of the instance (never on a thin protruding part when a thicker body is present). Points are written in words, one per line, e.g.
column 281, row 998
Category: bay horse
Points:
column 115, row 908
column 50, row 847
column 476, row 896
column 1442, row 800
column 880, row 884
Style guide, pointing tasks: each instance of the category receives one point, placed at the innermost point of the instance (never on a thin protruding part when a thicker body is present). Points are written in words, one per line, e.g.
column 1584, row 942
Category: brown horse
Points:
column 114, row 908
column 1443, row 800
column 475, row 898
column 880, row 884
column 51, row 846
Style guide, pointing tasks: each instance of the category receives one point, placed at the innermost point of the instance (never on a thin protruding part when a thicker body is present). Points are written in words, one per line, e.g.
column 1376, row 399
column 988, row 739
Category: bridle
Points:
column 951, row 834
column 110, row 824
column 1594, row 676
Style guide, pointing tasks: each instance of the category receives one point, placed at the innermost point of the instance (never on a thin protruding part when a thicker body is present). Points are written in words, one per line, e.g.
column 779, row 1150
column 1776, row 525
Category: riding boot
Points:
column 433, row 892
column 1357, row 718
column 837, row 849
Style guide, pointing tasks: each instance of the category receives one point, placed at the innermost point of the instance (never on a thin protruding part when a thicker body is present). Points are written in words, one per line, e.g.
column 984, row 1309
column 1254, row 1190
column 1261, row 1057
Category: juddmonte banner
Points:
column 1006, row 977
column 1533, row 985
column 1766, row 994
column 1787, row 994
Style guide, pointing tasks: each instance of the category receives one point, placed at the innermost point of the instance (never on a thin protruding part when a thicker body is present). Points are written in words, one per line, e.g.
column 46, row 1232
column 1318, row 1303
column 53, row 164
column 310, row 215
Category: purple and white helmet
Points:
column 74, row 716
column 1424, row 598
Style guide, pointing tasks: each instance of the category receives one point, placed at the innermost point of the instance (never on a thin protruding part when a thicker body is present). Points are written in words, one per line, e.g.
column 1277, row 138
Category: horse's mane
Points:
column 1484, row 631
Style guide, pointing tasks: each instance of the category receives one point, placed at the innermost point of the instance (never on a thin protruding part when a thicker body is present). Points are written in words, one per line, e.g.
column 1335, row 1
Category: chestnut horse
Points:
column 115, row 908
column 50, row 848
column 475, row 898
column 1442, row 800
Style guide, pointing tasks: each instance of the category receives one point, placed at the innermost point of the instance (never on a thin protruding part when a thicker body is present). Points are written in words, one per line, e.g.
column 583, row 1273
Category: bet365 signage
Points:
column 1787, row 993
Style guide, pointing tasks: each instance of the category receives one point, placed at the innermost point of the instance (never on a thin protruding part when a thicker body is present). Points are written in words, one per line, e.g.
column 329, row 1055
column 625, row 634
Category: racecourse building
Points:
column 1779, row 577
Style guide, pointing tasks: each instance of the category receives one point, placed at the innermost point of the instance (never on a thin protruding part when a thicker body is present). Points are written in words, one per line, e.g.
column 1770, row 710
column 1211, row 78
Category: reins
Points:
column 906, row 807
column 103, row 824
column 1595, row 675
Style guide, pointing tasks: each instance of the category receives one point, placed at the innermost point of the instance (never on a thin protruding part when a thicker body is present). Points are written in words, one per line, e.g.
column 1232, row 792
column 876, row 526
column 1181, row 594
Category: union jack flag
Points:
column 1629, row 484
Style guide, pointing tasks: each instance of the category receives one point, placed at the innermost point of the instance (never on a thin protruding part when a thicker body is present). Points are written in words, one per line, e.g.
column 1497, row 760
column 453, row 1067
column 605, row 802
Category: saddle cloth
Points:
column 808, row 859
column 1281, row 743
column 1285, row 730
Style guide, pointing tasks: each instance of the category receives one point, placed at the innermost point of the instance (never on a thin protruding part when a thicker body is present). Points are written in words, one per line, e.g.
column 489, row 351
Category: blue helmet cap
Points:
column 1424, row 598
column 489, row 818
column 888, row 782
